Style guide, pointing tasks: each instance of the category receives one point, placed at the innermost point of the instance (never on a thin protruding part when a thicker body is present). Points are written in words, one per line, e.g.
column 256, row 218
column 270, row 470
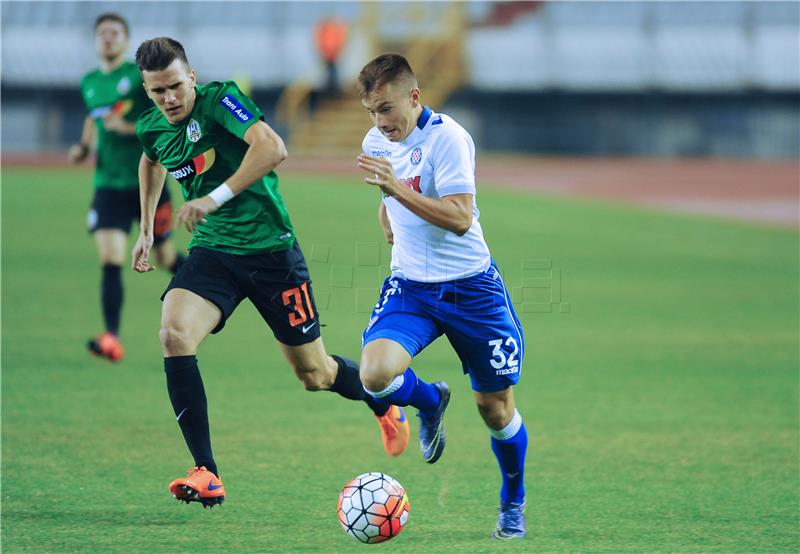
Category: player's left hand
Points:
column 194, row 212
column 381, row 174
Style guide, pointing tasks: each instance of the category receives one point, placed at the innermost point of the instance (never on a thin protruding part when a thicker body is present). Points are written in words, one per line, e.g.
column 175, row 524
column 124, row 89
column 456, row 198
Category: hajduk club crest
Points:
column 416, row 156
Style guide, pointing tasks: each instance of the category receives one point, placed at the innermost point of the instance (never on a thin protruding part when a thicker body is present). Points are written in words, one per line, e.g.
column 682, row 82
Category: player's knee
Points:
column 374, row 383
column 375, row 376
column 176, row 339
column 112, row 258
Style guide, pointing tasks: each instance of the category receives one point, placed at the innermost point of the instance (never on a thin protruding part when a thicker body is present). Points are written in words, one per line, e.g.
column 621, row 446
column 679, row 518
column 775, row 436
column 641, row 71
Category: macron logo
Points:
column 232, row 105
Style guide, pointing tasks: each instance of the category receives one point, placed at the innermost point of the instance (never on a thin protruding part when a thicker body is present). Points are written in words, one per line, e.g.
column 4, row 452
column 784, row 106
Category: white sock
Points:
column 396, row 383
column 509, row 430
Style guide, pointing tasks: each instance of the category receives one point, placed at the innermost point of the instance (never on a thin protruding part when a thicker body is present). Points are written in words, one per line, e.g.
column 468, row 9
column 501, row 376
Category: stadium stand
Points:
column 719, row 57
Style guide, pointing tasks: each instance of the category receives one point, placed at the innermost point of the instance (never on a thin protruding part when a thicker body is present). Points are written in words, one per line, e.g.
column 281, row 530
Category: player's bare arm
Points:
column 452, row 212
column 265, row 153
column 151, row 181
column 383, row 219
column 80, row 151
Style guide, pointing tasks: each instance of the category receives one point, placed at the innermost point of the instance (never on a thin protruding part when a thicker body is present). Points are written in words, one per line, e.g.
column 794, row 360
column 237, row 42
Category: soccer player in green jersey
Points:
column 114, row 99
column 213, row 139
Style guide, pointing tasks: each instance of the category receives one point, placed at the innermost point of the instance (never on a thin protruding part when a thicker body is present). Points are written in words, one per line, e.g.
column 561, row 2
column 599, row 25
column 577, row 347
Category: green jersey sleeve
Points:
column 234, row 110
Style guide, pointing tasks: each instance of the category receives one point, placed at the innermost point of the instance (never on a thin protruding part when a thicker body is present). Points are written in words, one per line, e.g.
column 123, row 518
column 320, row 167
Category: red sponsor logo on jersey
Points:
column 196, row 166
column 412, row 183
column 122, row 107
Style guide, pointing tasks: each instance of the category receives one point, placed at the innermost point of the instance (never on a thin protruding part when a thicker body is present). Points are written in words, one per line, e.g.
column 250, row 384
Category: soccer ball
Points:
column 373, row 507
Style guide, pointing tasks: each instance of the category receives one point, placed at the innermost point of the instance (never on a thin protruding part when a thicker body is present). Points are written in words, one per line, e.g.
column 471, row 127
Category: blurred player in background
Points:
column 213, row 139
column 443, row 279
column 114, row 98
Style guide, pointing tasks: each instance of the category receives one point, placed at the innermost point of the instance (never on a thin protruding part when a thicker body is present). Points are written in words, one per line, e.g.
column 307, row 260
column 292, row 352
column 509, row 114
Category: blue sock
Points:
column 409, row 390
column 509, row 446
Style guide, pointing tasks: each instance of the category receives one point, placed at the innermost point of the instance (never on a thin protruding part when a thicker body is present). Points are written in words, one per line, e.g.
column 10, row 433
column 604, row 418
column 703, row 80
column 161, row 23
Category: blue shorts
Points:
column 474, row 313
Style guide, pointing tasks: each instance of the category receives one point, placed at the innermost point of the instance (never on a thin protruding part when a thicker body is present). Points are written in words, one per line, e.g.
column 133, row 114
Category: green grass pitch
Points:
column 660, row 389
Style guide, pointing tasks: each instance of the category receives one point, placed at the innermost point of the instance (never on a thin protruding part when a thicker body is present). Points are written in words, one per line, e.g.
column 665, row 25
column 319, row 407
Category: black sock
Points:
column 188, row 397
column 179, row 259
column 111, row 296
column 348, row 384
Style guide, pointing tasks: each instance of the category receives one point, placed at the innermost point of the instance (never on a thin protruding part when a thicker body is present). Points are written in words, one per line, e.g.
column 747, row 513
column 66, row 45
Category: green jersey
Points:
column 204, row 150
column 119, row 92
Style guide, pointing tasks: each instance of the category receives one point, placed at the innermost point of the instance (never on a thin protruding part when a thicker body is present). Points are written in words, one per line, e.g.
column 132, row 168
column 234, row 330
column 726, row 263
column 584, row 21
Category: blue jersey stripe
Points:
column 424, row 117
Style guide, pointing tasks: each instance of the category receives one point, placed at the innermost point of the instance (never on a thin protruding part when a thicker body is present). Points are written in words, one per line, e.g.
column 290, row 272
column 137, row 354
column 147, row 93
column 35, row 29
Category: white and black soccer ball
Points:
column 373, row 507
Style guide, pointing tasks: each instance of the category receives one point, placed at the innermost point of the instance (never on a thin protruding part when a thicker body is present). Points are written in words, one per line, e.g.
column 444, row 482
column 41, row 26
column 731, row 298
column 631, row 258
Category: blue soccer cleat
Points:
column 511, row 521
column 431, row 427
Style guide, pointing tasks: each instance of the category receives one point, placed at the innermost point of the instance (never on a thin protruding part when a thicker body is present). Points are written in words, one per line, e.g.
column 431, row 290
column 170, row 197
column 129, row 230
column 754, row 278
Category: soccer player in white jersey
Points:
column 443, row 280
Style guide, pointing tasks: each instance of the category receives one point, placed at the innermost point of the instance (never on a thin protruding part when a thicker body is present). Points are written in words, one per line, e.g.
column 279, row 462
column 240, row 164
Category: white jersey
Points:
column 437, row 159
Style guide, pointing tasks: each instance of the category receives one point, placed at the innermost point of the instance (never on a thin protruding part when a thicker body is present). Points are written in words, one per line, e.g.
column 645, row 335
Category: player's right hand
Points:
column 77, row 153
column 194, row 212
column 141, row 253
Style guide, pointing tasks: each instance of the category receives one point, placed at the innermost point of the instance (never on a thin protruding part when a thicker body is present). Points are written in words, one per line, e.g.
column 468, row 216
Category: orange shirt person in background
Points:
column 331, row 36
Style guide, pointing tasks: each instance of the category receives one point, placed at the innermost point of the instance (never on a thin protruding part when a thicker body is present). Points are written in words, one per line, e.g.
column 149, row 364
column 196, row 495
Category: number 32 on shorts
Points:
column 503, row 364
column 298, row 300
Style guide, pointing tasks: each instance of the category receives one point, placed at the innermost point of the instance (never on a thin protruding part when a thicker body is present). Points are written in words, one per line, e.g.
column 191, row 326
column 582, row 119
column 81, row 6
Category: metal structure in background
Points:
column 434, row 48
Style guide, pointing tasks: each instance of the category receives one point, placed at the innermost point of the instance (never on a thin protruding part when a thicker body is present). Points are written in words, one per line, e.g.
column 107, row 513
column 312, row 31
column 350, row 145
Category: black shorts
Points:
column 118, row 208
column 278, row 284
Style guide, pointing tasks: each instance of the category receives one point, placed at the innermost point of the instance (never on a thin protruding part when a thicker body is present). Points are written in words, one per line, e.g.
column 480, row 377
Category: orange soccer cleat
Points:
column 394, row 430
column 108, row 346
column 199, row 485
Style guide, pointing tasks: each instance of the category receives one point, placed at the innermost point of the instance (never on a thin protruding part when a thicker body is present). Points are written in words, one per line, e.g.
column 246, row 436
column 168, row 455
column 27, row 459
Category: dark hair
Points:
column 386, row 68
column 111, row 16
column 157, row 53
